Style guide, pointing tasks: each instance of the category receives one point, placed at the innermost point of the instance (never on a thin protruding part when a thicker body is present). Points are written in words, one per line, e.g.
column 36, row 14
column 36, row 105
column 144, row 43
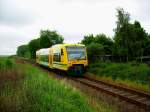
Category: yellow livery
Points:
column 67, row 57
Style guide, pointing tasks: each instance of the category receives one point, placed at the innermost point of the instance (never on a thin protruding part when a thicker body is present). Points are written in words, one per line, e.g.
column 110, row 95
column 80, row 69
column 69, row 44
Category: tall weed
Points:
column 125, row 71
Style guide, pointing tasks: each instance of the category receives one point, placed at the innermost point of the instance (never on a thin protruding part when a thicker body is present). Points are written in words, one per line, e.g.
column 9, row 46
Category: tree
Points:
column 122, row 18
column 23, row 51
column 129, row 38
column 105, row 41
column 88, row 39
column 94, row 49
column 102, row 39
column 122, row 33
column 140, row 40
column 34, row 45
column 147, row 45
column 49, row 38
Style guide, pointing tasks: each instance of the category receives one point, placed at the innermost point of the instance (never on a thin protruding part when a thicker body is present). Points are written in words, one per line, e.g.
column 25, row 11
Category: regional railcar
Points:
column 68, row 57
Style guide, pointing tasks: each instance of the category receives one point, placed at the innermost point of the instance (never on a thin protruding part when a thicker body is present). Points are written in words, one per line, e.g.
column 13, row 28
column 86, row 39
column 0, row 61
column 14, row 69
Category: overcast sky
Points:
column 21, row 20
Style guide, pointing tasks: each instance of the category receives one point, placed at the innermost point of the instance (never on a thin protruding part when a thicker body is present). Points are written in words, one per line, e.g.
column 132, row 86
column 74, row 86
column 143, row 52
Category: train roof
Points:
column 59, row 45
column 42, row 50
column 68, row 45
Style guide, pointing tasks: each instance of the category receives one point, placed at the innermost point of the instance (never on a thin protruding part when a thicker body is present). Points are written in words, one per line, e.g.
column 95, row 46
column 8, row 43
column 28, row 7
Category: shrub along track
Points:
column 139, row 98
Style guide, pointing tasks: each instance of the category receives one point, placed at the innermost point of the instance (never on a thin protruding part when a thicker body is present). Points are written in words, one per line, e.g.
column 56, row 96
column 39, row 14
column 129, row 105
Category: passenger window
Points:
column 57, row 57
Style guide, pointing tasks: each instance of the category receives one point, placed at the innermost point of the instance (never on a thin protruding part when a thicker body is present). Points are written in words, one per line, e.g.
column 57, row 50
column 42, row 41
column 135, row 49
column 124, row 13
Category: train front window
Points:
column 76, row 53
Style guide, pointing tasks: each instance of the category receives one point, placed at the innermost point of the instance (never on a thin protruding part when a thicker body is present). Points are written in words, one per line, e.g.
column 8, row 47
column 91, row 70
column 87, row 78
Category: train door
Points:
column 62, row 56
column 50, row 57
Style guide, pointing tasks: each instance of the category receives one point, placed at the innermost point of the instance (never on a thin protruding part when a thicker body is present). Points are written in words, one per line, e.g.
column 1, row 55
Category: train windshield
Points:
column 76, row 53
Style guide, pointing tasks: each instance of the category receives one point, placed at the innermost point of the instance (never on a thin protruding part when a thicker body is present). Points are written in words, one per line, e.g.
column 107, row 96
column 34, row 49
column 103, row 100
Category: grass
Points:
column 5, row 63
column 53, row 96
column 28, row 89
column 133, row 74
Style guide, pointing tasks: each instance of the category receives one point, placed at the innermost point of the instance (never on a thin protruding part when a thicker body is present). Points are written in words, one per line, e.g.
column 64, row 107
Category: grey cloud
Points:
column 81, row 1
column 7, row 51
column 10, row 14
column 10, row 41
column 142, row 15
column 14, row 17
column 144, row 6
column 72, row 38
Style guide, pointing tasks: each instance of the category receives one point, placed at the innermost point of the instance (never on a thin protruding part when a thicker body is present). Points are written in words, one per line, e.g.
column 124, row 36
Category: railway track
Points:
column 138, row 98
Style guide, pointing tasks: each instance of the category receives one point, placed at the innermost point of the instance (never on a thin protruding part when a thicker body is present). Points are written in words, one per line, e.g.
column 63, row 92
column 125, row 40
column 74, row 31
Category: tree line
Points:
column 47, row 38
column 130, row 41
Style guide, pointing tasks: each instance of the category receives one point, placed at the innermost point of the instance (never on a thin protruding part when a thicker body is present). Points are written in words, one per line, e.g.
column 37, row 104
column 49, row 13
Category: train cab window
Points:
column 57, row 57
column 76, row 53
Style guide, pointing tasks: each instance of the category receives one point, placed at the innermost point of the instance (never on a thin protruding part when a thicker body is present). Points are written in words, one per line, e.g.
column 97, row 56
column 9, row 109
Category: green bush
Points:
column 125, row 71
column 8, row 63
column 94, row 49
column 0, row 66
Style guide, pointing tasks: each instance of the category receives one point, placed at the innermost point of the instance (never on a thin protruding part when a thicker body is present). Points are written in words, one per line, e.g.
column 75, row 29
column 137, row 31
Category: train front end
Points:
column 77, row 59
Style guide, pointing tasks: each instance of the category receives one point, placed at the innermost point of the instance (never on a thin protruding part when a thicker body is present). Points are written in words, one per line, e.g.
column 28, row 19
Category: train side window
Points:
column 62, row 53
column 57, row 57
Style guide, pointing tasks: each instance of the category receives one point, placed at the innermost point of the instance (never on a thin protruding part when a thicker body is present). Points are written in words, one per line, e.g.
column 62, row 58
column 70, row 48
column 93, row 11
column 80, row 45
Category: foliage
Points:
column 122, row 18
column 9, row 63
column 5, row 63
column 23, row 51
column 130, row 40
column 147, row 45
column 128, row 37
column 34, row 45
column 49, row 38
column 97, row 45
column 96, row 49
column 105, row 41
column 88, row 39
column 132, row 71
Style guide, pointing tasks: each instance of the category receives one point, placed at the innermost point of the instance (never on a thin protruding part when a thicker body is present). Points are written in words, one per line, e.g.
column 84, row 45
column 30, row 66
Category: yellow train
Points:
column 67, row 57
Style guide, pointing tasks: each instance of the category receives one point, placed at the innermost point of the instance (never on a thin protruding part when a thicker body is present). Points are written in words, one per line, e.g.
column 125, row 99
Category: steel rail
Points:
column 142, row 93
column 95, row 85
